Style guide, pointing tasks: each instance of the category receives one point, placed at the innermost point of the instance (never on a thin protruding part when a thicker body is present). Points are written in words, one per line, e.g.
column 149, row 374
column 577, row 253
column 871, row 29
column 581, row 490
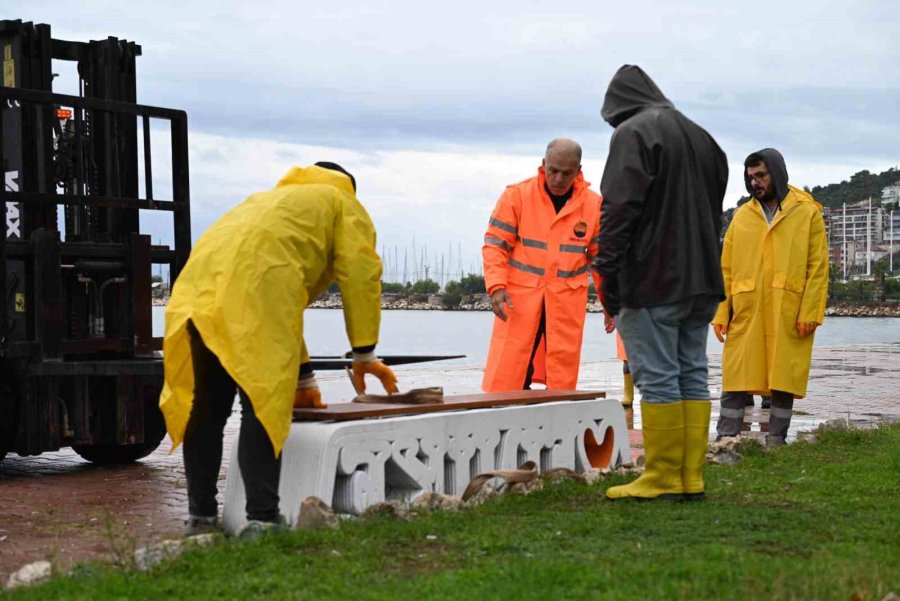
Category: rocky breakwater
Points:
column 414, row 302
column 428, row 302
column 863, row 309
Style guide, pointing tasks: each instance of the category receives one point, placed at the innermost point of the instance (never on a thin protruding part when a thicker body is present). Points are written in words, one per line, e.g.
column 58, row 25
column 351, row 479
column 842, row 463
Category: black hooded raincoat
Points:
column 662, row 188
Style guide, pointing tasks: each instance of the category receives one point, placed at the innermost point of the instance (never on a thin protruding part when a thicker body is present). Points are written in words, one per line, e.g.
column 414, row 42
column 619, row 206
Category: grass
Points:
column 808, row 521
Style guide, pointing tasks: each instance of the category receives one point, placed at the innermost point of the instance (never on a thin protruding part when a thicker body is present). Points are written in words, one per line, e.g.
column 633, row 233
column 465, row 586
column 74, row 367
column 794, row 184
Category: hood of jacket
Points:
column 317, row 175
column 777, row 169
column 631, row 91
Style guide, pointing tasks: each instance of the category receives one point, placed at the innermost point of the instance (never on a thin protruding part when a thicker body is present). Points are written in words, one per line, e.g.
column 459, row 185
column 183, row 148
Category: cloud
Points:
column 434, row 202
column 436, row 107
column 405, row 75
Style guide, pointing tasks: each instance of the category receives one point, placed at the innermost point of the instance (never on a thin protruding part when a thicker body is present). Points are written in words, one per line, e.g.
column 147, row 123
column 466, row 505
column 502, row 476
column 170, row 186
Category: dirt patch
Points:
column 57, row 506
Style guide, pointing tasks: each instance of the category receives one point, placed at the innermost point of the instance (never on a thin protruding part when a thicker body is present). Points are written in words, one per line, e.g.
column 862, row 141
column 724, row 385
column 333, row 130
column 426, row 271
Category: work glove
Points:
column 307, row 395
column 368, row 363
column 805, row 328
column 720, row 330
column 610, row 289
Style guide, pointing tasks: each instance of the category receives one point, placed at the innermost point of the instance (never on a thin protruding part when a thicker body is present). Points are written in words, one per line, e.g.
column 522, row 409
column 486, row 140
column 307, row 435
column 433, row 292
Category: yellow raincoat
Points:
column 768, row 292
column 250, row 277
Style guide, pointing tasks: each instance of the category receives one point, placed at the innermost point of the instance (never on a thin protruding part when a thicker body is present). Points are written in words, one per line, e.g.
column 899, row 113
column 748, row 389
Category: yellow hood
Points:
column 317, row 175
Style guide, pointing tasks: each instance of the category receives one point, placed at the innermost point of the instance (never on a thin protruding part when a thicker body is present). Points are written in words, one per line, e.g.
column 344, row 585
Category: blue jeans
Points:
column 666, row 347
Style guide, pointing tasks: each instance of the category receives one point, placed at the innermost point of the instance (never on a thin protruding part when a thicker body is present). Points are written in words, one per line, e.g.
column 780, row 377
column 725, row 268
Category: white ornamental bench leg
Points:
column 352, row 465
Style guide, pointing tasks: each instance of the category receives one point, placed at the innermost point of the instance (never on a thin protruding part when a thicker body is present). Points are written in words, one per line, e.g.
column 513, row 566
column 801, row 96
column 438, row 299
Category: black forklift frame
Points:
column 68, row 377
column 179, row 206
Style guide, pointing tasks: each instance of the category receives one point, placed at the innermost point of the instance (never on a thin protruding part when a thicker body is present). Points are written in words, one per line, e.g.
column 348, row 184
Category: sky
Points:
column 436, row 107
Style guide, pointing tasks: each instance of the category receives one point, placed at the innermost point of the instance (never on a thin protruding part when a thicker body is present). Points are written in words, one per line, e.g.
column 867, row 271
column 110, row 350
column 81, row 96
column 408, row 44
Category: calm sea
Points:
column 468, row 333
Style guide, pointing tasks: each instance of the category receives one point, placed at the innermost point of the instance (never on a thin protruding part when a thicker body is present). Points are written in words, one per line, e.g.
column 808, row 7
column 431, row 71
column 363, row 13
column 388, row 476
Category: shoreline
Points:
column 435, row 303
column 480, row 303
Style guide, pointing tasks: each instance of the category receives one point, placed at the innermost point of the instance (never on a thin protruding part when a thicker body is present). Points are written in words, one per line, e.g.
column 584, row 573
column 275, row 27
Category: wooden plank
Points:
column 350, row 411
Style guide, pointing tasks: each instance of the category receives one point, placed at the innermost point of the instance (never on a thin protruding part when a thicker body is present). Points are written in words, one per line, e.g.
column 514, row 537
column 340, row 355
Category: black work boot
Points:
column 779, row 418
column 731, row 414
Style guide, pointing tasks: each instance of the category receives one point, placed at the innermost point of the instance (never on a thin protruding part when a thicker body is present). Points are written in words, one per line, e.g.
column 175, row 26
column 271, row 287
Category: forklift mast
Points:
column 79, row 365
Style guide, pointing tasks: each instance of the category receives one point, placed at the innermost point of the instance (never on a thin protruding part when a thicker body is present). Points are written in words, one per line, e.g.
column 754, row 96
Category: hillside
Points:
column 862, row 185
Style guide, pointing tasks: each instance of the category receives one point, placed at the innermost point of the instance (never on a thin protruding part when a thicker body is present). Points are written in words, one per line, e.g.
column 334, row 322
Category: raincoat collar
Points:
column 578, row 185
column 630, row 91
column 795, row 196
column 316, row 175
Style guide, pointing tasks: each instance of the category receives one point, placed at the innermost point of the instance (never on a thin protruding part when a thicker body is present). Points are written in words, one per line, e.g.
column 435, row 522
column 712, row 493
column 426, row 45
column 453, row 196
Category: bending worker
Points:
column 537, row 252
column 775, row 266
column 234, row 323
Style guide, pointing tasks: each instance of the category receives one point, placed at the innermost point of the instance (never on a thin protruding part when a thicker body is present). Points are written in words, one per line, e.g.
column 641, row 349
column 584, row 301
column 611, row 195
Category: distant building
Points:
column 892, row 234
column 890, row 195
column 858, row 222
column 854, row 227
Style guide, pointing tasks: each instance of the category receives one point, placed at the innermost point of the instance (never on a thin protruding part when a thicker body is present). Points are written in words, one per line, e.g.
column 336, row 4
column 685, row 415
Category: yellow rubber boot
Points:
column 696, row 439
column 663, row 430
column 628, row 394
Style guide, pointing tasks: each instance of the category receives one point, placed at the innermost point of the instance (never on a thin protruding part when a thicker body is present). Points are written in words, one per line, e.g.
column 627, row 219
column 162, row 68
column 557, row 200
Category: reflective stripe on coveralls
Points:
column 542, row 265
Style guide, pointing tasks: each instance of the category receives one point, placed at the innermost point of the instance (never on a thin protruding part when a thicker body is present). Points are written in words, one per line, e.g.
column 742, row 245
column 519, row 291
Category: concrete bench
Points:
column 356, row 455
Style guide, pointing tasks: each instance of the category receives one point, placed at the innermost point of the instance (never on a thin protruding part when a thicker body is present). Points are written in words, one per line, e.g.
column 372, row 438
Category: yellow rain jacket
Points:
column 768, row 292
column 250, row 277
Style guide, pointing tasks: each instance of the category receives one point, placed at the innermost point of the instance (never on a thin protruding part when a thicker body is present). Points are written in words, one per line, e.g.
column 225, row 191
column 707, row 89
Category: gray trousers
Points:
column 666, row 347
column 731, row 415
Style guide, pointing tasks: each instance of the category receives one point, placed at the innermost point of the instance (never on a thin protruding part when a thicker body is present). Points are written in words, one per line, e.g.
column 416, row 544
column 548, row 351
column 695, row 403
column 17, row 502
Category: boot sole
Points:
column 694, row 496
column 673, row 496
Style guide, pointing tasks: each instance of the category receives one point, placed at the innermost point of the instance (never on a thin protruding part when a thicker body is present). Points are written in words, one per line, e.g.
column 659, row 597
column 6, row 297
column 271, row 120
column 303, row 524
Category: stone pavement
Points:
column 61, row 507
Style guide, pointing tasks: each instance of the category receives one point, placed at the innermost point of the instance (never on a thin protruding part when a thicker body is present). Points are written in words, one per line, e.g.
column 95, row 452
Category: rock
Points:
column 526, row 488
column 628, row 469
column 807, row 437
column 387, row 508
column 435, row 501
column 833, row 425
column 30, row 574
column 891, row 597
column 593, row 476
column 730, row 450
column 723, row 457
column 203, row 540
column 155, row 554
column 315, row 513
column 487, row 490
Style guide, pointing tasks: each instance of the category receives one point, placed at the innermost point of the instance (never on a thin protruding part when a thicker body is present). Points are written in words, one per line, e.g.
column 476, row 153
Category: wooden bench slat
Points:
column 350, row 411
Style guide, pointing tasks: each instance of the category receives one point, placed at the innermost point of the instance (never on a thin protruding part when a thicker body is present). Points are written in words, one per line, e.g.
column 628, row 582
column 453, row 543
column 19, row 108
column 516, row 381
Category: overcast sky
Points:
column 435, row 107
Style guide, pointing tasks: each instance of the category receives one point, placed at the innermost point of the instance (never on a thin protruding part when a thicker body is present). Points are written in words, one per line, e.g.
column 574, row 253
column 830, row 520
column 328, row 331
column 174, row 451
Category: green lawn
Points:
column 808, row 521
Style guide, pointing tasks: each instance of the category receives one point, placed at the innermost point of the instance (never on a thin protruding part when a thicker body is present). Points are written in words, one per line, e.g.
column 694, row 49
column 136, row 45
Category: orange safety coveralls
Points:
column 620, row 348
column 542, row 260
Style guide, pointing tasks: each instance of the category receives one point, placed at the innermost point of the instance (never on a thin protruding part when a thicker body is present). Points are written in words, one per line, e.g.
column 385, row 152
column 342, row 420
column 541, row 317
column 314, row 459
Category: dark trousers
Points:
column 731, row 415
column 542, row 331
column 214, row 392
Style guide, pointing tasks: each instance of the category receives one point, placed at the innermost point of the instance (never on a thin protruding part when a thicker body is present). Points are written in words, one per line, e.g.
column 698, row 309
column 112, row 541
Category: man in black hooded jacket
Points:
column 663, row 187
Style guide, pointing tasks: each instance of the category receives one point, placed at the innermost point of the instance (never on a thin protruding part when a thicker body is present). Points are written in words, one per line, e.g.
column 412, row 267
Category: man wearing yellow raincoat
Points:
column 234, row 323
column 775, row 267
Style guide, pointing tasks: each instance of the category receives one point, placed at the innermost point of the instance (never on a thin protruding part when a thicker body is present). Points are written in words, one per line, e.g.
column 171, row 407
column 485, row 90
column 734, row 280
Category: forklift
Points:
column 79, row 365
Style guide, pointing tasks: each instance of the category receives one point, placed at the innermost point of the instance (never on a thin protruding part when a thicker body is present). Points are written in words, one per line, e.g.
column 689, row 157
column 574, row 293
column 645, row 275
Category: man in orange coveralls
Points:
column 540, row 241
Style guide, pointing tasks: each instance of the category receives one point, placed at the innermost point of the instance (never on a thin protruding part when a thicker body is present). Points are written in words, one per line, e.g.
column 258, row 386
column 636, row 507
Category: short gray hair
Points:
column 564, row 145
